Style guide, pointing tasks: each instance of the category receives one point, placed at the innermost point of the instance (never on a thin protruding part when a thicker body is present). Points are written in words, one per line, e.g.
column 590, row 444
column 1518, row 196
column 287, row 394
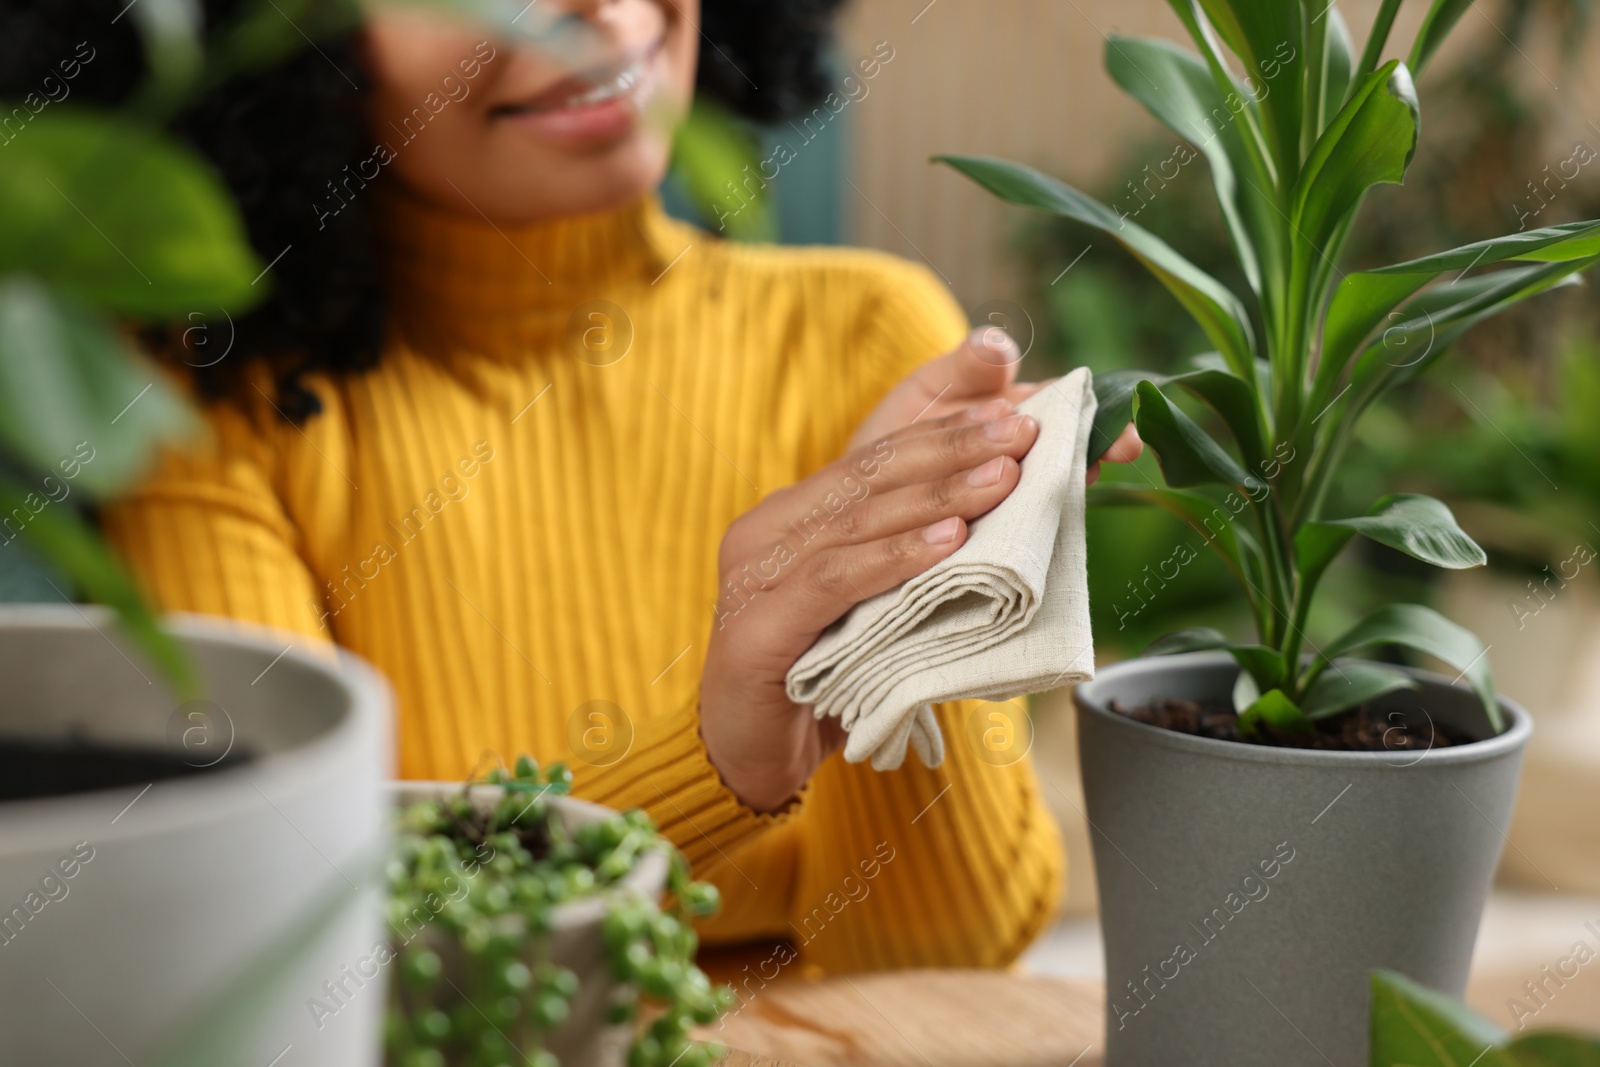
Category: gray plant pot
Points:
column 586, row 1039
column 139, row 913
column 1246, row 892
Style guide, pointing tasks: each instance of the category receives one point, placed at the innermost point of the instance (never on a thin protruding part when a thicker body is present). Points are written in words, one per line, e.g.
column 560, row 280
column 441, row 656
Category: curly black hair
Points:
column 275, row 135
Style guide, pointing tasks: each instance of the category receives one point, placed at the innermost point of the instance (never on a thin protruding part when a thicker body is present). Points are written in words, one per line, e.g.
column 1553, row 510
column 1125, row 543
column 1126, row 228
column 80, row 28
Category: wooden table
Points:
column 917, row 1019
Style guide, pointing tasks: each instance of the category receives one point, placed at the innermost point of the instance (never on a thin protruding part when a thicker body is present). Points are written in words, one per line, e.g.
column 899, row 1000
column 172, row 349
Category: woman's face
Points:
column 521, row 131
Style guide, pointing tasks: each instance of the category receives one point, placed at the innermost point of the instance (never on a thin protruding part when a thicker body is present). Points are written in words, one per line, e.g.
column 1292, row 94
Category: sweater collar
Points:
column 458, row 279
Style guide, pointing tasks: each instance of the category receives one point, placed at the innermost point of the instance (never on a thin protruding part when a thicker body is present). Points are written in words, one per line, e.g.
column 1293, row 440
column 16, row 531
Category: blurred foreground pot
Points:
column 1247, row 891
column 222, row 895
column 585, row 1039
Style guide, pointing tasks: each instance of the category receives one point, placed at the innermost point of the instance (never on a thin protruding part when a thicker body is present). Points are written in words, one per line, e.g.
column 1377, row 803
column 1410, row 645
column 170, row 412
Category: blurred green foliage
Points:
column 712, row 153
column 112, row 224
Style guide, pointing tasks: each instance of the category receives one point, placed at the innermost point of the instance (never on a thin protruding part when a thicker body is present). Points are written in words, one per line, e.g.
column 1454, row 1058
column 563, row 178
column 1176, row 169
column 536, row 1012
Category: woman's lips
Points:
column 595, row 106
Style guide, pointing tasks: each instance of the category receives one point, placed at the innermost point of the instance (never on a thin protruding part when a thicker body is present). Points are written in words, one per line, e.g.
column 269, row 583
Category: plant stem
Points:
column 1289, row 372
column 1299, row 611
column 1375, row 41
column 1254, row 140
column 1278, row 581
column 1316, row 76
column 1324, row 459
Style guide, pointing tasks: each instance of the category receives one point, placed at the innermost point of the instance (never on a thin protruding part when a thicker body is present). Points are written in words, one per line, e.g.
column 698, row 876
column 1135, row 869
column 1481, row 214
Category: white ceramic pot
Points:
column 180, row 888
column 585, row 1039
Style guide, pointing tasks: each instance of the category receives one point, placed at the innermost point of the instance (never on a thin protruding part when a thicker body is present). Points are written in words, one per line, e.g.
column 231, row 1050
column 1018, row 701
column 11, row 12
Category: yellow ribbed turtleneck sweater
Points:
column 517, row 514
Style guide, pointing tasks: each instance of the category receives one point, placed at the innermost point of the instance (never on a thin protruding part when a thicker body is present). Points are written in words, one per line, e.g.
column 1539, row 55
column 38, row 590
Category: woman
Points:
column 547, row 498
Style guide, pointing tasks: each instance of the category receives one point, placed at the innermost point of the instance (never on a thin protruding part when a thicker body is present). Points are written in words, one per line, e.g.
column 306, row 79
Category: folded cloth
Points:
column 1005, row 614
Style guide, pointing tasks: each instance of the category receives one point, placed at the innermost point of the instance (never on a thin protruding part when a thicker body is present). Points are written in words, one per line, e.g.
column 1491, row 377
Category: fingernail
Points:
column 994, row 338
column 1006, row 429
column 942, row 532
column 988, row 474
column 989, row 409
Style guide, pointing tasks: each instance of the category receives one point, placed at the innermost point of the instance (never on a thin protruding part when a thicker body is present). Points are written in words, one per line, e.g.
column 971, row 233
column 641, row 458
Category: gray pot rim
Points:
column 647, row 879
column 216, row 794
column 1093, row 697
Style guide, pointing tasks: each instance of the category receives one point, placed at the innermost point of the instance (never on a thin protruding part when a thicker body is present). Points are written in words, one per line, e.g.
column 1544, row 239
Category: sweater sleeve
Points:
column 958, row 865
column 208, row 532
column 667, row 772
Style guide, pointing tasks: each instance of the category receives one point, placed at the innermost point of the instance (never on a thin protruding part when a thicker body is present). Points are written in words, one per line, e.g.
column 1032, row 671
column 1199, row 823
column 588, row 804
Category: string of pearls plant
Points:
column 520, row 861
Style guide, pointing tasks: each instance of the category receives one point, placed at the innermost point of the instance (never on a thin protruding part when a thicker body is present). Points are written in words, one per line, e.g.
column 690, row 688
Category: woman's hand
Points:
column 983, row 367
column 941, row 449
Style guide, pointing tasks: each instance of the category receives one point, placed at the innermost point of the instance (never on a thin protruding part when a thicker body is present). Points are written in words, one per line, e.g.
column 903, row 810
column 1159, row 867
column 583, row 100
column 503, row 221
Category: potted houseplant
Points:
column 527, row 928
column 190, row 808
column 1274, row 819
column 156, row 855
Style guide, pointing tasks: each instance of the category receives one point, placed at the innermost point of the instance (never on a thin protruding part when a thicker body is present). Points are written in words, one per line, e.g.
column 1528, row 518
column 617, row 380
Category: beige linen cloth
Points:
column 1006, row 614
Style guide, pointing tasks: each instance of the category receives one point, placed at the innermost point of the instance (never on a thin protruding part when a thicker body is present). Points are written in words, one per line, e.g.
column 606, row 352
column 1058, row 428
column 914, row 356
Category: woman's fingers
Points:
column 937, row 453
column 1126, row 448
column 834, row 580
column 982, row 366
column 965, row 494
column 828, row 506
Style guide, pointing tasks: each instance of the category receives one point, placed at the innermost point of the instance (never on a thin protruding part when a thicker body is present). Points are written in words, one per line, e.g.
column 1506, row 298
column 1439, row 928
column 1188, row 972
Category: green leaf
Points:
column 1178, row 89
column 1264, row 665
column 1381, row 25
column 1370, row 140
column 1338, row 67
column 1194, row 639
column 1351, row 683
column 1316, row 546
column 73, row 547
column 1267, row 39
column 1273, row 708
column 1419, row 526
column 1113, row 394
column 1232, row 398
column 1187, row 454
column 1214, row 307
column 1547, row 1049
column 1425, row 630
column 710, row 149
column 1214, row 361
column 1413, row 1026
column 261, row 34
column 75, row 395
column 1417, row 1027
column 1410, row 347
column 173, row 53
column 1440, row 20
column 122, row 217
column 1366, row 299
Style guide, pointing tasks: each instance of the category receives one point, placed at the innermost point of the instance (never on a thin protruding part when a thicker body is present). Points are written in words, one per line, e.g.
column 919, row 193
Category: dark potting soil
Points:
column 1358, row 730
column 33, row 767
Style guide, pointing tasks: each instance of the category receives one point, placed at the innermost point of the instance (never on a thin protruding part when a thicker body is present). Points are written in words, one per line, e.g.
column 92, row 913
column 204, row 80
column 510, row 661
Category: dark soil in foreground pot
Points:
column 32, row 767
column 1362, row 729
